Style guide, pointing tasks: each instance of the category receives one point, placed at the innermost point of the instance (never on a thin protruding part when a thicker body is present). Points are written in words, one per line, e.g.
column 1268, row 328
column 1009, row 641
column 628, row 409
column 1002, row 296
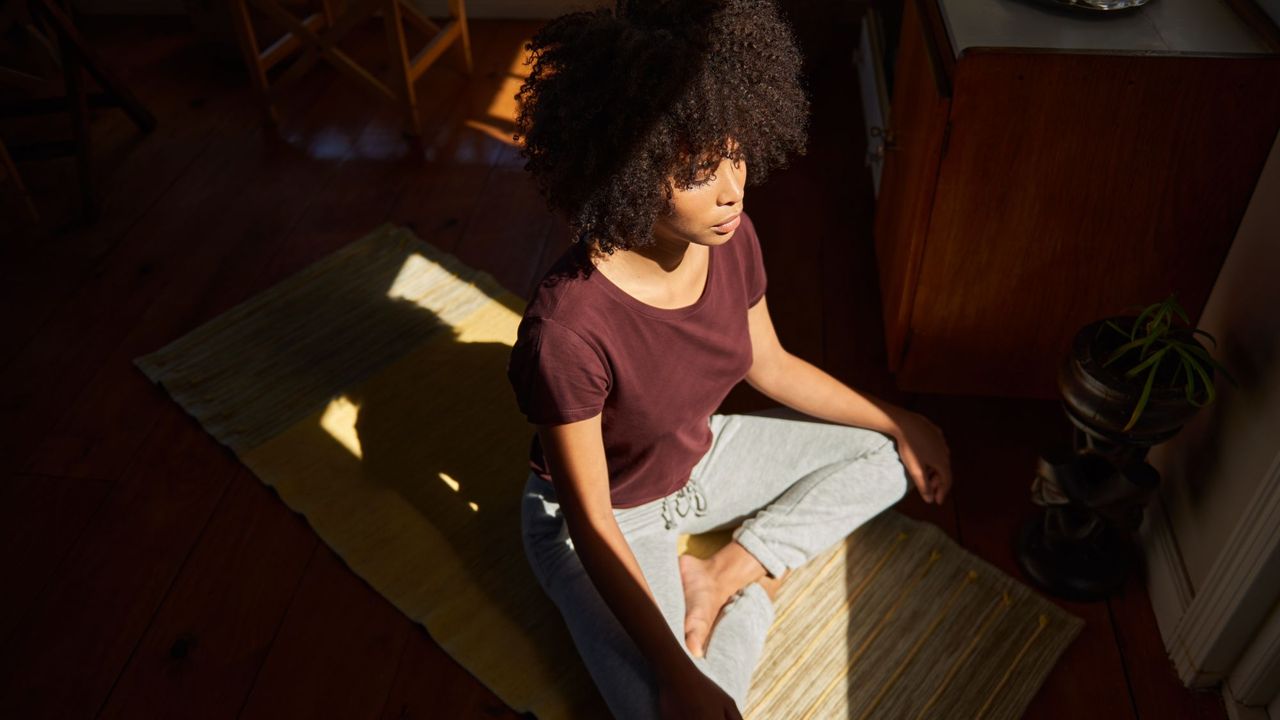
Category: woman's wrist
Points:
column 897, row 419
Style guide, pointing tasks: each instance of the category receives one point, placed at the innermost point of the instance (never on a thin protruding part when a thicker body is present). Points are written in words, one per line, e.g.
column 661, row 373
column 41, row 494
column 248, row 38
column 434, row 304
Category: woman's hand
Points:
column 687, row 693
column 925, row 455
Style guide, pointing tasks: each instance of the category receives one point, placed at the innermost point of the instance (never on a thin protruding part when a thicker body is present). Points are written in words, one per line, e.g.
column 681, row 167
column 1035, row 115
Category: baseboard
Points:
column 1238, row 711
column 1168, row 585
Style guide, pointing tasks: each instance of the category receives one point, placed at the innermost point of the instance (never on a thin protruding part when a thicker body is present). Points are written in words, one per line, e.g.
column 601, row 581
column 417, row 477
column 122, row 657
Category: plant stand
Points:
column 1080, row 546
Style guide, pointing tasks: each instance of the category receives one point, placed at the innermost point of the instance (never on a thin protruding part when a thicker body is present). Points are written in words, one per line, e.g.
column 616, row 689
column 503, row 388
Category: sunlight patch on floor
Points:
column 339, row 420
column 455, row 486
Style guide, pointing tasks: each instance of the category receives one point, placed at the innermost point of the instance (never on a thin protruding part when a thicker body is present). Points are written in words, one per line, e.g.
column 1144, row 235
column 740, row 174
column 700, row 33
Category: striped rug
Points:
column 369, row 390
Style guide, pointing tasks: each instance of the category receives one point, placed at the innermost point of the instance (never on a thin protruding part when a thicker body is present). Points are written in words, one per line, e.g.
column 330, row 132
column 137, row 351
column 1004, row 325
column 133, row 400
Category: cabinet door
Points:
column 1073, row 186
column 912, row 151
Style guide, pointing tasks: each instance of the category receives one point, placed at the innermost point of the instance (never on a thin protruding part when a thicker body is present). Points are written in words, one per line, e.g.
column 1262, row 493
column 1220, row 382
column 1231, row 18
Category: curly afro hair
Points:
column 624, row 105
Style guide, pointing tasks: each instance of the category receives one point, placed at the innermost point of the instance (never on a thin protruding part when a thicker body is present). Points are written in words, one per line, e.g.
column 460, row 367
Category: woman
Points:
column 638, row 125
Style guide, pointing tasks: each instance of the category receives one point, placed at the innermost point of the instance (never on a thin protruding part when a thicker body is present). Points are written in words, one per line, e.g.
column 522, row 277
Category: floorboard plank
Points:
column 67, row 652
column 344, row 211
column 993, row 449
column 225, row 243
column 440, row 205
column 194, row 102
column 158, row 253
column 429, row 684
column 508, row 226
column 336, row 652
column 1157, row 693
column 210, row 636
column 40, row 519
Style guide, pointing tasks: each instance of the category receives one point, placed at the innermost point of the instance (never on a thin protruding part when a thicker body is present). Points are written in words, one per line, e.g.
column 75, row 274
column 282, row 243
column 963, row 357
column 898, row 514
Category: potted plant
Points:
column 1138, row 379
column 1128, row 383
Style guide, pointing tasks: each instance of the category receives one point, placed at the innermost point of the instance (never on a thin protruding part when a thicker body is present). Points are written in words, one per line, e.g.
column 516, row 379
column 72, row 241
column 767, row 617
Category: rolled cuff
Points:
column 762, row 552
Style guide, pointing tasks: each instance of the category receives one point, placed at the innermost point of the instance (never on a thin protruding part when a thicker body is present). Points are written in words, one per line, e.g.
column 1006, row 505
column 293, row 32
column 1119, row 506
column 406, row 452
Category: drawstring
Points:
column 686, row 496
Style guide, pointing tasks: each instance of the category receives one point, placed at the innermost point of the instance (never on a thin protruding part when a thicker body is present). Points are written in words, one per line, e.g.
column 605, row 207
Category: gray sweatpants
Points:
column 792, row 485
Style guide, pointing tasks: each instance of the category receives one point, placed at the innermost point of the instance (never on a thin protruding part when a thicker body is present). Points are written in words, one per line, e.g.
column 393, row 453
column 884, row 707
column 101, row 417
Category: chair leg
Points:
column 253, row 59
column 400, row 67
column 458, row 9
column 73, row 82
column 69, row 39
column 12, row 171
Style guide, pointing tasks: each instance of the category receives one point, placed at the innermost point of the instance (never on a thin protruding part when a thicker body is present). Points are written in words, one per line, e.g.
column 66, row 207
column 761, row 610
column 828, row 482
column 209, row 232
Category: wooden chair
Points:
column 9, row 170
column 318, row 36
column 51, row 20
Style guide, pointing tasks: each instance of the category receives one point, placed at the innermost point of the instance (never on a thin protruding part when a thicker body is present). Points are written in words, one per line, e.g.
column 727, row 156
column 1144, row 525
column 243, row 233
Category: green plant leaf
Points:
column 1197, row 351
column 1203, row 354
column 1153, row 360
column 1163, row 317
column 1142, row 400
column 1141, row 317
column 1157, row 334
column 1204, row 377
column 1190, row 386
column 1115, row 354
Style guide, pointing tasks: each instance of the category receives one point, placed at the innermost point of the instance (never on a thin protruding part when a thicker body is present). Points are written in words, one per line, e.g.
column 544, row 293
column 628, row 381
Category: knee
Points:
column 896, row 481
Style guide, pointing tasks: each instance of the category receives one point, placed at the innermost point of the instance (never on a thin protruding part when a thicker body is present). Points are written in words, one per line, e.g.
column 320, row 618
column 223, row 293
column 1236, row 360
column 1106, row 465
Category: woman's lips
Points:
column 729, row 226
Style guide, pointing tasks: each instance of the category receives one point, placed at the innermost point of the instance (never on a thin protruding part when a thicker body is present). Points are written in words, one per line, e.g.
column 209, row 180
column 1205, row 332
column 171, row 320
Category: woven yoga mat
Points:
column 370, row 391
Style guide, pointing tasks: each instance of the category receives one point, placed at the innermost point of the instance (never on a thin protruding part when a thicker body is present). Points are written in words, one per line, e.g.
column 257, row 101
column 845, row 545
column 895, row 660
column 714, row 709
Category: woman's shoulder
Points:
column 565, row 295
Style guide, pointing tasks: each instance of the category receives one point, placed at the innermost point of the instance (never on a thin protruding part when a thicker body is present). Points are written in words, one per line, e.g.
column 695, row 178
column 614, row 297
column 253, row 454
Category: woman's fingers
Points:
column 941, row 483
column 920, row 479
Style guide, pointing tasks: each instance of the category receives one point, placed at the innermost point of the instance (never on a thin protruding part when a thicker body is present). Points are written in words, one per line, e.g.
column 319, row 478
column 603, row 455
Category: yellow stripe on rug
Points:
column 370, row 391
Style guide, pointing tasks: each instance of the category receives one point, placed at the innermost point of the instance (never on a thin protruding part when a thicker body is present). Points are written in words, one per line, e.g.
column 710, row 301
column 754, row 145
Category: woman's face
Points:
column 699, row 209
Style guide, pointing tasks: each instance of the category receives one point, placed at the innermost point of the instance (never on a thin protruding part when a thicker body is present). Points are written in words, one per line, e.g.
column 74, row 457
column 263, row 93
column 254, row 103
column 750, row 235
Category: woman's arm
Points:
column 575, row 457
column 799, row 384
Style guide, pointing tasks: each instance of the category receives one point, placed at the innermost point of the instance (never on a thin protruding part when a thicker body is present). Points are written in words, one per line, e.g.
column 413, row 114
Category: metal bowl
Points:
column 1096, row 5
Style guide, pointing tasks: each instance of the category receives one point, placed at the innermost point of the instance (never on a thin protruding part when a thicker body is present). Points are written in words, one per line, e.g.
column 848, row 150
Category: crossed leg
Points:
column 792, row 486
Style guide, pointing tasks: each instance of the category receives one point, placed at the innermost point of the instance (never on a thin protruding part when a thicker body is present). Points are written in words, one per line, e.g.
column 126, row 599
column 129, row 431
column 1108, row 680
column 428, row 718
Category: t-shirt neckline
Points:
column 663, row 313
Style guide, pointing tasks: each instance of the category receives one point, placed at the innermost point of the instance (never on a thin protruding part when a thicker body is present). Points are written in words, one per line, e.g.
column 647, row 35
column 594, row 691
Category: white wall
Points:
column 1270, row 7
column 1227, row 458
column 1213, row 466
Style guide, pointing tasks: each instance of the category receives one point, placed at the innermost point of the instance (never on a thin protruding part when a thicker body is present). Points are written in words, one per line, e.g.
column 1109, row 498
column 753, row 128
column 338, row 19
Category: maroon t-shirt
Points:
column 584, row 346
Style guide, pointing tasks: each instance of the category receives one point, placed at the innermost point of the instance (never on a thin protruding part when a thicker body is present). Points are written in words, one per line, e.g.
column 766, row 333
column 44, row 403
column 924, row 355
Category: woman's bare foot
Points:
column 703, row 599
column 772, row 584
column 708, row 585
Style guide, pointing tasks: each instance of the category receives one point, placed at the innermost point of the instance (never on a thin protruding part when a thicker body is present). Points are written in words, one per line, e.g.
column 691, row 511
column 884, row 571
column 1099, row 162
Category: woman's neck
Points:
column 660, row 274
column 660, row 259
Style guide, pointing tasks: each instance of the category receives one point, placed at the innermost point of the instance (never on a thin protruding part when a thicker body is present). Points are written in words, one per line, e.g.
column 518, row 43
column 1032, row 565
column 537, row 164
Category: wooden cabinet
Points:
column 1026, row 191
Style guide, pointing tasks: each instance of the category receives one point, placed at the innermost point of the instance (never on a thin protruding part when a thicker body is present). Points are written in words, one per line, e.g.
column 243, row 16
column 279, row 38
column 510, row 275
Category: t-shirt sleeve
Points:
column 757, row 281
column 557, row 377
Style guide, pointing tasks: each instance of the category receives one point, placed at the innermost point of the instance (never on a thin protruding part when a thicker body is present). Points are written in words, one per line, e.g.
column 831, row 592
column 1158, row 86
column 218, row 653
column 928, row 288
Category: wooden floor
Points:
column 148, row 574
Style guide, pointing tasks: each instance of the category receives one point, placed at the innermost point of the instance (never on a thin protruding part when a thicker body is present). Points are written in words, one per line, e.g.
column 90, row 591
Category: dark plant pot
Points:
column 1102, row 399
column 1081, row 548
